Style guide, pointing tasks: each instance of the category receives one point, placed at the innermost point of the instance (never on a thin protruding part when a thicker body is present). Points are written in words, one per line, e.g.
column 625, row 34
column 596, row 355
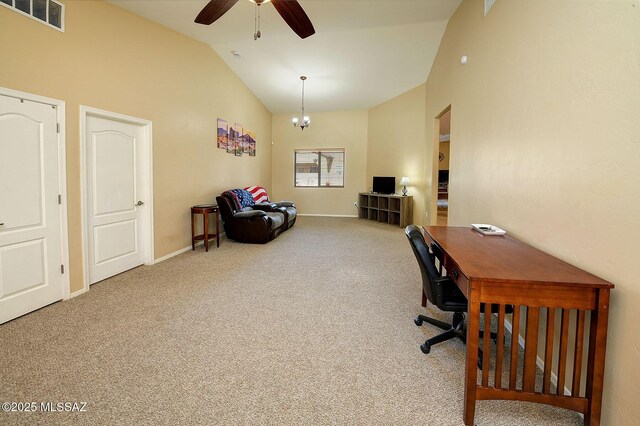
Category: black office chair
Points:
column 445, row 294
column 441, row 291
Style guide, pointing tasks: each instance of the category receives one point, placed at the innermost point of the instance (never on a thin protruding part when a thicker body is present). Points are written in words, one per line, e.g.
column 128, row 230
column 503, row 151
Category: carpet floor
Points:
column 315, row 327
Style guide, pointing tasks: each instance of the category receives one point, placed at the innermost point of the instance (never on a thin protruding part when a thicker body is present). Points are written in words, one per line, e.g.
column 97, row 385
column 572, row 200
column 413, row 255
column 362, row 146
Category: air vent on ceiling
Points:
column 487, row 6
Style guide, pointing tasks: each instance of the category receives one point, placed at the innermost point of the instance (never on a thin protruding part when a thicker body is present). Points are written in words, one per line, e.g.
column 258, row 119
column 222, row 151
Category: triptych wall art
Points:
column 235, row 139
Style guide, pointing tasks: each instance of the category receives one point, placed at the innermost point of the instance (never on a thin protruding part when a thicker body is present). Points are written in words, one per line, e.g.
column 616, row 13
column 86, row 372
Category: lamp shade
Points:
column 404, row 181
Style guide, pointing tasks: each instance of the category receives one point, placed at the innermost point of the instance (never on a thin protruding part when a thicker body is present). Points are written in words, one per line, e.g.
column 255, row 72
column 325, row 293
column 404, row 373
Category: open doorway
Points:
column 444, row 148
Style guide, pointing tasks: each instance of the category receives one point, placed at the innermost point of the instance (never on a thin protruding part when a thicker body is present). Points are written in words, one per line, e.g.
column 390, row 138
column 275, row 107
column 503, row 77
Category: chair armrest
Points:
column 447, row 285
column 265, row 207
column 285, row 204
column 249, row 214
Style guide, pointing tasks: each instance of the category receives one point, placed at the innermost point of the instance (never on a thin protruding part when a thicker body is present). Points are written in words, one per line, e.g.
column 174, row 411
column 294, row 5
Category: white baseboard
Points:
column 328, row 215
column 182, row 250
column 175, row 253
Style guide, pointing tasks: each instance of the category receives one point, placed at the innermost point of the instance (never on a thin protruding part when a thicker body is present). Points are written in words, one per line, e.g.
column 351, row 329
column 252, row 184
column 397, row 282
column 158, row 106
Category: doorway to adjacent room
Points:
column 441, row 178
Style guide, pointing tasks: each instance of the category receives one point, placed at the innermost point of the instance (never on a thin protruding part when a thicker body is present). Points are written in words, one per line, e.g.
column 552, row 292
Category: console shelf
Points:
column 392, row 209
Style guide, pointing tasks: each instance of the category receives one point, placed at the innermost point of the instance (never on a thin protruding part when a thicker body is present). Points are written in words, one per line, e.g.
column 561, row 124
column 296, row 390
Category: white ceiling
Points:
column 363, row 53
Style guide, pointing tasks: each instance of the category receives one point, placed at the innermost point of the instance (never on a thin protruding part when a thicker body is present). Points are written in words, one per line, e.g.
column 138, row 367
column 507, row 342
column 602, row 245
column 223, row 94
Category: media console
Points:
column 386, row 208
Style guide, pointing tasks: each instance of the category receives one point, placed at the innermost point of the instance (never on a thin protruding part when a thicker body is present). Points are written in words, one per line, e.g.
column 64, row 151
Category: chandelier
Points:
column 306, row 121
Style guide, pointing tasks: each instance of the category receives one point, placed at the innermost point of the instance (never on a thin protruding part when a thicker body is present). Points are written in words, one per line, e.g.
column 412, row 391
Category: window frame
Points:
column 319, row 151
column 13, row 7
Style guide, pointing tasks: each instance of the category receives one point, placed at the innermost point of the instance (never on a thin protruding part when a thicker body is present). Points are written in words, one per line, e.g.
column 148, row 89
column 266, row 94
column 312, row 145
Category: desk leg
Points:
column 597, row 351
column 471, row 366
column 217, row 213
column 206, row 231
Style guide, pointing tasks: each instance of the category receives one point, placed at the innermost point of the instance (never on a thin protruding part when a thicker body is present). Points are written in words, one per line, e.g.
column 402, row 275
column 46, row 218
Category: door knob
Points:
column 139, row 203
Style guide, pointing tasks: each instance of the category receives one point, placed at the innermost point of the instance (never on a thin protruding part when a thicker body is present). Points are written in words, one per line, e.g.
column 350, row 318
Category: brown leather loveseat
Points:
column 246, row 221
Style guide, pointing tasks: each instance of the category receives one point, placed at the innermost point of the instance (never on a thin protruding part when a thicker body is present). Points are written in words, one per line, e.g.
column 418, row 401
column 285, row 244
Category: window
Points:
column 40, row 9
column 319, row 169
column 23, row 5
column 56, row 14
column 49, row 12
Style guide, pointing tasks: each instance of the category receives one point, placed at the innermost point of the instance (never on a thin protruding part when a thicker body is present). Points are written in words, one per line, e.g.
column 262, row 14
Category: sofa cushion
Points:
column 249, row 213
column 267, row 207
column 284, row 204
column 277, row 220
column 258, row 193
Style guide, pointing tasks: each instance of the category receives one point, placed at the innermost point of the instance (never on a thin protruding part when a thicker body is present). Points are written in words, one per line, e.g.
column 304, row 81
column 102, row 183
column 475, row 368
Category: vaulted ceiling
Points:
column 363, row 53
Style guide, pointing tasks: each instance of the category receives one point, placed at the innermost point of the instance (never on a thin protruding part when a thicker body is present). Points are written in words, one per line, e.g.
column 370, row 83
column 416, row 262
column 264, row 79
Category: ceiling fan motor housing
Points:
column 289, row 10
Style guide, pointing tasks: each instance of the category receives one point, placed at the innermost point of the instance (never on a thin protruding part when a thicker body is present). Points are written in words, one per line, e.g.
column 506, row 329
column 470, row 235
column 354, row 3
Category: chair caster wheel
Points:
column 418, row 322
column 425, row 348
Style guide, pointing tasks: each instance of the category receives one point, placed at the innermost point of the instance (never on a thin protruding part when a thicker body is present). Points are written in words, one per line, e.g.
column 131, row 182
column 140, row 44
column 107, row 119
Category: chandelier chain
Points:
column 303, row 98
column 256, row 22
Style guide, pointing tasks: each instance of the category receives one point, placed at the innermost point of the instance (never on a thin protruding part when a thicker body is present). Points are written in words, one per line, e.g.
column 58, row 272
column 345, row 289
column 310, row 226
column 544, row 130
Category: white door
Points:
column 30, row 229
column 116, row 226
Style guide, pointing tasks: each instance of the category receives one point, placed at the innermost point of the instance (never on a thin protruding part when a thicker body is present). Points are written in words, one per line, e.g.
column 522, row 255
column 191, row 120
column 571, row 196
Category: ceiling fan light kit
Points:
column 306, row 121
column 289, row 10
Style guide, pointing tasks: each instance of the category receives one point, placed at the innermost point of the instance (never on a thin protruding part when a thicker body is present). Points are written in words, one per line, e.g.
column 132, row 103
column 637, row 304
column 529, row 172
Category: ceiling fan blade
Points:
column 213, row 11
column 295, row 17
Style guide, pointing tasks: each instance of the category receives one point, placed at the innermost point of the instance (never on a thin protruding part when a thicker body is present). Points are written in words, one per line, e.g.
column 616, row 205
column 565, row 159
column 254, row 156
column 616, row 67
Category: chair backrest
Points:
column 426, row 261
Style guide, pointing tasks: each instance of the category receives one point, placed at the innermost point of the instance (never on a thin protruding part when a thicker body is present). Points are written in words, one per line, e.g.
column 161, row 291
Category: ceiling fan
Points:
column 290, row 10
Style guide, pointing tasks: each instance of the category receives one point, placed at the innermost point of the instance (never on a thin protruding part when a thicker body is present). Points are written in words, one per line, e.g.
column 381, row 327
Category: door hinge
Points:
column 58, row 127
column 62, row 269
column 59, row 199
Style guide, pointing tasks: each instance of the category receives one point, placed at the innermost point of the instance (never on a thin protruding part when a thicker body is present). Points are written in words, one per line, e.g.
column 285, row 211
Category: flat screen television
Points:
column 384, row 184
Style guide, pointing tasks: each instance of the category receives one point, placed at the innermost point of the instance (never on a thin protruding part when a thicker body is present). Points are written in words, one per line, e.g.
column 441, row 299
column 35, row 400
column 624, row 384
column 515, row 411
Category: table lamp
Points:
column 404, row 181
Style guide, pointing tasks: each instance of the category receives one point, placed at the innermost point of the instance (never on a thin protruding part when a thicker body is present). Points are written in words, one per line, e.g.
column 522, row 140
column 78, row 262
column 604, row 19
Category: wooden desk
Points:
column 504, row 271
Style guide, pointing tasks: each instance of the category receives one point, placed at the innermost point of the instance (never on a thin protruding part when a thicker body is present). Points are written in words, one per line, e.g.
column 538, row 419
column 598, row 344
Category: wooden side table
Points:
column 205, row 210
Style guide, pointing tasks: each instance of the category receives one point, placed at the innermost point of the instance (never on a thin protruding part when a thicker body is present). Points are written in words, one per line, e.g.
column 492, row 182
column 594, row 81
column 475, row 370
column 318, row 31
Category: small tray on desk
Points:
column 486, row 229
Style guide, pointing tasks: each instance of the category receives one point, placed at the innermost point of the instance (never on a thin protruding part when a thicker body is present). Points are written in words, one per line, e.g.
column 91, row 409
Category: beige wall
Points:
column 397, row 144
column 552, row 89
column 111, row 59
column 348, row 130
